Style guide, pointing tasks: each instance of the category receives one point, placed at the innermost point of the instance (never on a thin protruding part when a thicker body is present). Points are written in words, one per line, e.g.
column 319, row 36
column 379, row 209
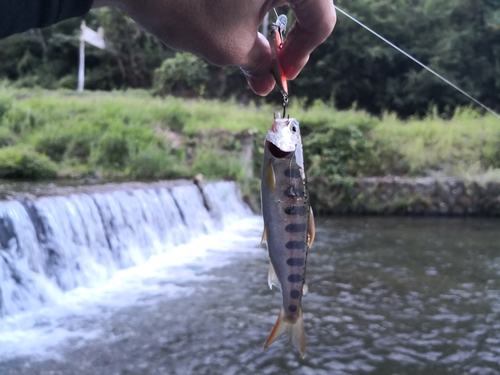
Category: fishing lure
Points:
column 276, row 40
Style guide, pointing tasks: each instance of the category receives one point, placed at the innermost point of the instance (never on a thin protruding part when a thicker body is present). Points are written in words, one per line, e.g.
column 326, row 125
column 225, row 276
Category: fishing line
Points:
column 418, row 62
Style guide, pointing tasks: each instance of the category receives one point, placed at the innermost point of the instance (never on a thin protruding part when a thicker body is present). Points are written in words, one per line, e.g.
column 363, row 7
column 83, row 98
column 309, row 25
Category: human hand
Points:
column 225, row 32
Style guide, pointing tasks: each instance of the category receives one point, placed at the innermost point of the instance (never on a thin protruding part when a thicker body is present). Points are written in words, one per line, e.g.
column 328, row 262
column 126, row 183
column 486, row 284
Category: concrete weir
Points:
column 54, row 239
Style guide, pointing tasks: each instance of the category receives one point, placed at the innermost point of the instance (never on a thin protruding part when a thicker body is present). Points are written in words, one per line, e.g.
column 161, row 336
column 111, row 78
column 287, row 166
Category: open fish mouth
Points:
column 277, row 152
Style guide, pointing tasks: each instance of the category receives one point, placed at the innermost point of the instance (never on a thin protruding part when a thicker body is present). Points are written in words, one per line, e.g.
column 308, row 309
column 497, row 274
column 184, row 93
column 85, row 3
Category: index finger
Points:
column 315, row 20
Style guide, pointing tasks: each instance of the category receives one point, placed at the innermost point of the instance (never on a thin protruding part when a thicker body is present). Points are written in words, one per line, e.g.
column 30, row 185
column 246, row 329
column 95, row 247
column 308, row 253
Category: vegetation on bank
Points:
column 44, row 134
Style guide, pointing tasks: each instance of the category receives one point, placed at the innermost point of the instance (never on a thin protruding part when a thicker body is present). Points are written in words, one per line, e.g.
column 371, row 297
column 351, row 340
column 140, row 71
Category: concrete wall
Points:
column 406, row 196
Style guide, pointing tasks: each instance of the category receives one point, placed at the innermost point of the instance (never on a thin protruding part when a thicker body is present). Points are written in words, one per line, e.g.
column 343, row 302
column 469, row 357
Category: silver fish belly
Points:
column 288, row 225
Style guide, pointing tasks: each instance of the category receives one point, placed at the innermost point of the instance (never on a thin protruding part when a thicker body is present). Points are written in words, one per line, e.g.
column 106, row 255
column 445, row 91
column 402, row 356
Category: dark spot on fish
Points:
column 293, row 172
column 296, row 210
column 294, row 228
column 295, row 245
column 295, row 278
column 292, row 192
column 295, row 262
column 292, row 308
column 295, row 294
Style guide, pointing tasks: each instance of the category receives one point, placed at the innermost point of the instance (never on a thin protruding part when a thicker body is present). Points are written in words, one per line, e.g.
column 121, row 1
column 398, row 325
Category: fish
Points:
column 288, row 225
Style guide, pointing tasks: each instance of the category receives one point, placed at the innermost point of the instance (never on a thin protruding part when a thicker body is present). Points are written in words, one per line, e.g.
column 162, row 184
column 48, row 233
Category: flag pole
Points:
column 81, row 65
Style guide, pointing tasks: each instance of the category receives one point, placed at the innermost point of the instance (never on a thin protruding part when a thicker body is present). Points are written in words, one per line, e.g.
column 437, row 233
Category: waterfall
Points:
column 53, row 244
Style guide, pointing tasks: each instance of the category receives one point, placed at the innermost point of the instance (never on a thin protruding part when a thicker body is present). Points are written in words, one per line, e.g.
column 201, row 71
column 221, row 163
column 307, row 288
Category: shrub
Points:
column 139, row 137
column 5, row 104
column 80, row 147
column 385, row 159
column 112, row 150
column 217, row 165
column 175, row 115
column 6, row 137
column 60, row 142
column 182, row 74
column 19, row 120
column 23, row 163
column 320, row 118
column 118, row 145
column 157, row 163
column 338, row 150
column 491, row 151
column 53, row 144
column 68, row 82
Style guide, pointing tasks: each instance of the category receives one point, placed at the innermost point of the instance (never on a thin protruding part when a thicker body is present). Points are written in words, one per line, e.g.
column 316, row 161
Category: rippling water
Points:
column 386, row 296
column 408, row 296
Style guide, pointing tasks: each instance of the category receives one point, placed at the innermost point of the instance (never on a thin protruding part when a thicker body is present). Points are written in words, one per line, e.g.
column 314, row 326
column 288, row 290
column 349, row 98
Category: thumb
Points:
column 257, row 66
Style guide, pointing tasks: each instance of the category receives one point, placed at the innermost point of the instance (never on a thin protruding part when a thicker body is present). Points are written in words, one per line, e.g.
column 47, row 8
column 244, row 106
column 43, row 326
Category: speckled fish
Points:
column 288, row 225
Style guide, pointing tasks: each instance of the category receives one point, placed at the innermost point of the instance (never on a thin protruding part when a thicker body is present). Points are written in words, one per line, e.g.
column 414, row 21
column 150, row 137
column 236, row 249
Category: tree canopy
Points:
column 458, row 38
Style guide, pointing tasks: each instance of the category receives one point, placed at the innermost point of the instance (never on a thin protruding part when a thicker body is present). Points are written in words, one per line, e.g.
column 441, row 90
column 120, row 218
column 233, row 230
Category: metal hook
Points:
column 285, row 102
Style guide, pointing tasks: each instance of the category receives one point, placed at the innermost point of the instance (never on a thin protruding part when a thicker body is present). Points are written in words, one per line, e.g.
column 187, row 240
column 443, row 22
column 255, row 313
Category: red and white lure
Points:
column 276, row 40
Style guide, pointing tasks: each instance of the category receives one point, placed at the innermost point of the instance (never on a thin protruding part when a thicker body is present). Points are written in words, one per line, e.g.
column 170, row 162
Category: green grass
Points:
column 25, row 164
column 134, row 135
column 468, row 143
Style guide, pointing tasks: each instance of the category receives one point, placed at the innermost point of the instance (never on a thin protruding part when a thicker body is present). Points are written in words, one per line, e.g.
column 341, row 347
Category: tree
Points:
column 453, row 37
column 458, row 38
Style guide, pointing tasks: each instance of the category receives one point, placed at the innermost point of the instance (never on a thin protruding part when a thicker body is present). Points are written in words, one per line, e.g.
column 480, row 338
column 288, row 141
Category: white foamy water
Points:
column 42, row 333
column 84, row 254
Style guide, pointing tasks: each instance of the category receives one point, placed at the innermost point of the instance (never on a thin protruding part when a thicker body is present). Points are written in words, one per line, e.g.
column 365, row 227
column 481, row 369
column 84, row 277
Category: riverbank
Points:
column 407, row 196
column 109, row 136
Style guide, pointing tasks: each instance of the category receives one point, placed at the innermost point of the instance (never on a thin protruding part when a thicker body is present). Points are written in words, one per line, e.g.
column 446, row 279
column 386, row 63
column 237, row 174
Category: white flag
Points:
column 93, row 37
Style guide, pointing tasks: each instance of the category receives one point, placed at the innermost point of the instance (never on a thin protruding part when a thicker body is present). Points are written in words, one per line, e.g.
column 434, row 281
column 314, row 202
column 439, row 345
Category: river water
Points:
column 386, row 296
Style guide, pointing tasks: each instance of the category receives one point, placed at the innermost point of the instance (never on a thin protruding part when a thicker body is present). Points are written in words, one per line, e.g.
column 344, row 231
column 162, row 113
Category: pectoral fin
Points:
column 305, row 288
column 272, row 278
column 311, row 230
column 270, row 176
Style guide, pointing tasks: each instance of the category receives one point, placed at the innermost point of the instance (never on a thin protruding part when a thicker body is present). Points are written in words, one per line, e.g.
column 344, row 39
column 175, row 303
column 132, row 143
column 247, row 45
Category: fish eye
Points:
column 293, row 128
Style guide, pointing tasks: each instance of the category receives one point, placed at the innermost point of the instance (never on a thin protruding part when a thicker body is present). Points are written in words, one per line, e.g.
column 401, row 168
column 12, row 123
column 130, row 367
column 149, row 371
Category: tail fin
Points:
column 294, row 330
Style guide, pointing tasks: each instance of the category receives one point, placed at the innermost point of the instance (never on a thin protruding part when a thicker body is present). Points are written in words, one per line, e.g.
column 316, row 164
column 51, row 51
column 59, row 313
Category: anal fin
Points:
column 264, row 236
column 272, row 278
